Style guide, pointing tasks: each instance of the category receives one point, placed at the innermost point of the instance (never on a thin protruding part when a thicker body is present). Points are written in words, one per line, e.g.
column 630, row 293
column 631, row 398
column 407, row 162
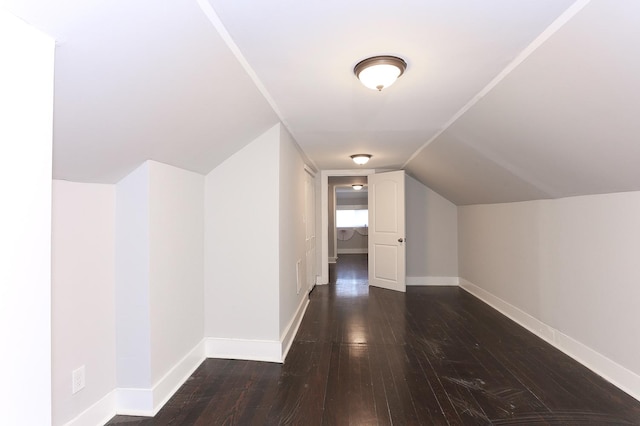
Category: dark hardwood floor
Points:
column 368, row 356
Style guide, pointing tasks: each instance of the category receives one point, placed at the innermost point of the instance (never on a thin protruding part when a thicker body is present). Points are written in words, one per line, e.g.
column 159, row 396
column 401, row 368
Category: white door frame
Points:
column 311, row 243
column 323, row 278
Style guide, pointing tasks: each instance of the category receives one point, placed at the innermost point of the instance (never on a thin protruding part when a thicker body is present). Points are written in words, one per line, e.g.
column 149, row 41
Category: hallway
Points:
column 368, row 356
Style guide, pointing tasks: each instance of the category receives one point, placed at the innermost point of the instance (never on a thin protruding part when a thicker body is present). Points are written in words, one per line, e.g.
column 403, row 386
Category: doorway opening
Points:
column 328, row 233
column 349, row 217
column 386, row 231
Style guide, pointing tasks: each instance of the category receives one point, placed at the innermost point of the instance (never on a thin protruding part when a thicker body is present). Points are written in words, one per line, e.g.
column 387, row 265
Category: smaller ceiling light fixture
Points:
column 357, row 187
column 380, row 72
column 360, row 159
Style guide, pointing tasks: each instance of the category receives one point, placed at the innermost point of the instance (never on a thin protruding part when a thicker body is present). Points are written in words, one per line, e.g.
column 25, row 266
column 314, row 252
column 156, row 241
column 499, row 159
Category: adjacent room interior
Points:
column 348, row 216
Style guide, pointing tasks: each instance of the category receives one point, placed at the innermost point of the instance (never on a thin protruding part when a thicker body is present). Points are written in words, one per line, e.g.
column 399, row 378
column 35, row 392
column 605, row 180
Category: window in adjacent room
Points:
column 352, row 218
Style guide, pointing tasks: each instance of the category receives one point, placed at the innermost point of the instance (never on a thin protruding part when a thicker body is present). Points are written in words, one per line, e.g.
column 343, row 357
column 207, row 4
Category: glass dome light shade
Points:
column 360, row 159
column 380, row 72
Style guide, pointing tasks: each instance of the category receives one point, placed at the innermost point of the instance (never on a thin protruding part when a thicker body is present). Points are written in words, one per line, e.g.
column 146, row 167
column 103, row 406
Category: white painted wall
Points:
column 83, row 292
column 500, row 250
column 570, row 263
column 26, row 113
column 241, row 243
column 159, row 283
column 133, row 310
column 432, row 236
column 176, row 269
column 593, row 273
column 357, row 243
column 292, row 229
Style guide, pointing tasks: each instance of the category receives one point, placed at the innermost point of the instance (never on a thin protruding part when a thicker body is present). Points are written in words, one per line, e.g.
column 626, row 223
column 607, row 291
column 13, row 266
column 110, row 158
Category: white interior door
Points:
column 310, row 229
column 387, row 248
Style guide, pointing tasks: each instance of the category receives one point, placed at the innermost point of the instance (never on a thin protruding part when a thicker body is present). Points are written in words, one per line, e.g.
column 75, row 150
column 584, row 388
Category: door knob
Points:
column 400, row 240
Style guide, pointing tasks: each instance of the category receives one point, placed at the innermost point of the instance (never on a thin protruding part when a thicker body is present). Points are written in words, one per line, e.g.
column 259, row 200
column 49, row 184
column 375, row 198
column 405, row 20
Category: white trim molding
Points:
column 98, row 414
column 142, row 401
column 134, row 402
column 164, row 389
column 625, row 379
column 251, row 350
column 432, row 281
column 352, row 251
column 324, row 215
column 289, row 333
column 147, row 402
column 258, row 350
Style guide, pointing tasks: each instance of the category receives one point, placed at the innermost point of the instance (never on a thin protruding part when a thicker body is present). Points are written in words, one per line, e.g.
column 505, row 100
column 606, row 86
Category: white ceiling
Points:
column 304, row 53
column 562, row 123
column 163, row 80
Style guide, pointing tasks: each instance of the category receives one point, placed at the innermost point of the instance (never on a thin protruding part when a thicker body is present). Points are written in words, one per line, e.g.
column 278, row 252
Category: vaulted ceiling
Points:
column 561, row 123
column 501, row 101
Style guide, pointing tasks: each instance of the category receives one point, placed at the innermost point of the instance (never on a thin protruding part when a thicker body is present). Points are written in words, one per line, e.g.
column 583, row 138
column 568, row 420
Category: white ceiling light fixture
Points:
column 357, row 187
column 380, row 72
column 361, row 159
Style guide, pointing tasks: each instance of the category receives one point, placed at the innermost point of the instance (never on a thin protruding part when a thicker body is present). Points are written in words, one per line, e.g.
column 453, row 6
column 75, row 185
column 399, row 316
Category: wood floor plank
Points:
column 369, row 356
column 390, row 366
column 362, row 409
column 299, row 397
column 498, row 392
column 335, row 403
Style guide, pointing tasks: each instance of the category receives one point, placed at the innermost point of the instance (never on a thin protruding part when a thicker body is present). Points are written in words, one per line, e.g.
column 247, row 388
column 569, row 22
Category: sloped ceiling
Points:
column 560, row 124
column 305, row 51
column 163, row 80
column 144, row 79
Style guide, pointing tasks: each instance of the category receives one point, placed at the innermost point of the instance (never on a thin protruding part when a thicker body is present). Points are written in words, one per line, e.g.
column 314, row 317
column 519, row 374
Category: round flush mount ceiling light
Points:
column 361, row 159
column 357, row 187
column 380, row 72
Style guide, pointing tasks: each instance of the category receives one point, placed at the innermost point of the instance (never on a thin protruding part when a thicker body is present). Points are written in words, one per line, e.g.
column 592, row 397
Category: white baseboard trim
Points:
column 615, row 373
column 252, row 350
column 258, row 350
column 134, row 402
column 164, row 389
column 625, row 379
column 432, row 281
column 142, row 401
column 527, row 321
column 352, row 251
column 98, row 414
column 290, row 332
column 147, row 402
